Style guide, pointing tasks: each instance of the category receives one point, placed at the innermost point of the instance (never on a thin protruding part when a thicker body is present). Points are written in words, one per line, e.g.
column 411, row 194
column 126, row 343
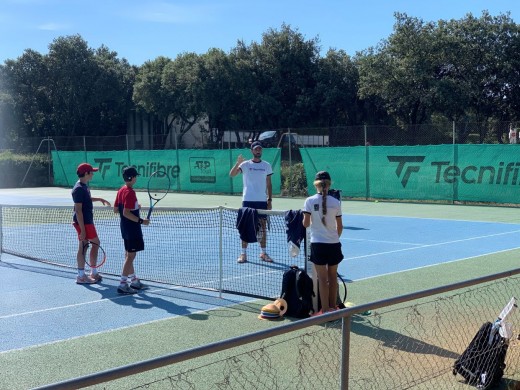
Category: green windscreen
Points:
column 485, row 173
column 190, row 170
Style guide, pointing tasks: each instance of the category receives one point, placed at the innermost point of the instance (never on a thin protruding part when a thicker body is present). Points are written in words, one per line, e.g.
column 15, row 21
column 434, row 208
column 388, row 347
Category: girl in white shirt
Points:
column 322, row 213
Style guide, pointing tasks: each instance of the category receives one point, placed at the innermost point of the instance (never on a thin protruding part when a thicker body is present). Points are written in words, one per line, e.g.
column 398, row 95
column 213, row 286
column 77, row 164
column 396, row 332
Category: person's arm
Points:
column 78, row 208
column 339, row 225
column 306, row 220
column 127, row 213
column 269, row 187
column 236, row 168
column 105, row 202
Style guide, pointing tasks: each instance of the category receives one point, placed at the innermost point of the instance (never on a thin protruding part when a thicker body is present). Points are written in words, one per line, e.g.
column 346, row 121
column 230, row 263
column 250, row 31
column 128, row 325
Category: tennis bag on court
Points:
column 482, row 364
column 297, row 290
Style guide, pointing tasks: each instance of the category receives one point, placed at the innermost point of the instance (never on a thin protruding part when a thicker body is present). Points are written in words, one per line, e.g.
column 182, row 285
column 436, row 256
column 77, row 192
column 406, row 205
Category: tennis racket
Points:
column 95, row 256
column 158, row 187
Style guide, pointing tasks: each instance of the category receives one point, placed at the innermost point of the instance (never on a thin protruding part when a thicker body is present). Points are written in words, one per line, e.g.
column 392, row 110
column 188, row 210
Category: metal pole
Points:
column 290, row 163
column 220, row 254
column 453, row 132
column 345, row 352
column 85, row 148
column 128, row 149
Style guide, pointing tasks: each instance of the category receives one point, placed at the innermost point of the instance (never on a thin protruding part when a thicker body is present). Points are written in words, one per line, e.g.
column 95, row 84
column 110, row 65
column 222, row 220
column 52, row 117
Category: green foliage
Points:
column 294, row 180
column 14, row 168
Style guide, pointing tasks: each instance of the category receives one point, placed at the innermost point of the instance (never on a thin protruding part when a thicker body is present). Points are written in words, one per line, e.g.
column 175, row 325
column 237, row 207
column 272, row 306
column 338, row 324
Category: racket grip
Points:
column 149, row 213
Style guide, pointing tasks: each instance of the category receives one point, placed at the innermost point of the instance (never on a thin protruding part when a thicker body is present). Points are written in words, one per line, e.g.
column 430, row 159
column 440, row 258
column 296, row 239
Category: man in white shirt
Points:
column 512, row 134
column 257, row 192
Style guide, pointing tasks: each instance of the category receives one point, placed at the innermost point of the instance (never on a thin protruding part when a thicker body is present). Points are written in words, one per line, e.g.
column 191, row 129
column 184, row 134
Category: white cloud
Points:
column 53, row 26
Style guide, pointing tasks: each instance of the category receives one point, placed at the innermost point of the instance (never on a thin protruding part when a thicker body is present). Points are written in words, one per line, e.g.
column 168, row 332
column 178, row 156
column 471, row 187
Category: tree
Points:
column 90, row 90
column 183, row 91
column 336, row 90
column 284, row 65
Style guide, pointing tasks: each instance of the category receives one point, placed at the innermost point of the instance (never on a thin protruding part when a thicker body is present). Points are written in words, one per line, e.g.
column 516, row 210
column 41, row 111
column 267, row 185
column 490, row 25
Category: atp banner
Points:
column 475, row 173
column 190, row 170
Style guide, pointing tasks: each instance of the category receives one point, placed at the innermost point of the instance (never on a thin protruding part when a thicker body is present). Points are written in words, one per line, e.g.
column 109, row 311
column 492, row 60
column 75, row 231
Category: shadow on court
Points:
column 398, row 341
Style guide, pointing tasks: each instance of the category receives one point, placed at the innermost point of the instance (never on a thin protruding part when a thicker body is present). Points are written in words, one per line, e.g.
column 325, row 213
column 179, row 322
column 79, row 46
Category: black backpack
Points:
column 297, row 290
column 482, row 364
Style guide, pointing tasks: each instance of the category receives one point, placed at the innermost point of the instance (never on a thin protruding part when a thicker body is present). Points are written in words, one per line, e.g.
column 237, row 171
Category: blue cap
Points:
column 256, row 144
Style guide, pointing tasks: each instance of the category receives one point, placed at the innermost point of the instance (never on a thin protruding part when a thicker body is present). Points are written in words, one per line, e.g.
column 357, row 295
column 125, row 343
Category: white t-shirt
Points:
column 327, row 234
column 512, row 136
column 254, row 177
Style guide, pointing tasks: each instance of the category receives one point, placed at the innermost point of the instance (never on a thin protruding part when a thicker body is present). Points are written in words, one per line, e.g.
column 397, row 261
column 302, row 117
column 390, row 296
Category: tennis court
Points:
column 389, row 249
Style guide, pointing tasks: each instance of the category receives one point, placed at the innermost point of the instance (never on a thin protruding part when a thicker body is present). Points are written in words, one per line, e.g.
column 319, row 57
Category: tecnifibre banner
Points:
column 189, row 170
column 476, row 173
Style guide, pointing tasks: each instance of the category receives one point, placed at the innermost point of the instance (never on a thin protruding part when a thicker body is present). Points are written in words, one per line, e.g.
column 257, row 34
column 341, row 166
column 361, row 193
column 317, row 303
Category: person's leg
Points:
column 323, row 286
column 263, row 241
column 243, row 256
column 94, row 250
column 94, row 258
column 332, row 276
column 80, row 257
column 128, row 269
column 128, row 266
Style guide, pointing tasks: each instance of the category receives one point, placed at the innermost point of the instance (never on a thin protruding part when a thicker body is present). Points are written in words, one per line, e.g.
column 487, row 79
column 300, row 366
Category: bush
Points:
column 294, row 181
column 14, row 169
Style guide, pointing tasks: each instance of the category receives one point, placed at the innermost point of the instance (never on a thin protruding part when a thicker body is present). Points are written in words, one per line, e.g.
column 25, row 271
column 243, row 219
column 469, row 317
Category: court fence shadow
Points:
column 410, row 341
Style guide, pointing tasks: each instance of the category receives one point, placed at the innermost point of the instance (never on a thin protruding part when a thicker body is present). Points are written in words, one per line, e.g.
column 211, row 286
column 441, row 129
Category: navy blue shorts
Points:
column 134, row 244
column 257, row 206
column 326, row 254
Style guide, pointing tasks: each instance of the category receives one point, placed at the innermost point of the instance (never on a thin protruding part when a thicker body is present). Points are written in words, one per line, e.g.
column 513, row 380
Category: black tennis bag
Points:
column 482, row 364
column 297, row 290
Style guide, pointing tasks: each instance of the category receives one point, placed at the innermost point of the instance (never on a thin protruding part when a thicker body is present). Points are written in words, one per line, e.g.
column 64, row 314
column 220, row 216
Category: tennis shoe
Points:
column 137, row 285
column 318, row 313
column 96, row 278
column 126, row 290
column 242, row 258
column 265, row 257
column 84, row 280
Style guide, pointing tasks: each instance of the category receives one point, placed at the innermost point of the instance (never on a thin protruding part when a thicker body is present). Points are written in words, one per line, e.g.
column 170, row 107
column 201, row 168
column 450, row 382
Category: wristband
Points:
column 140, row 222
column 269, row 200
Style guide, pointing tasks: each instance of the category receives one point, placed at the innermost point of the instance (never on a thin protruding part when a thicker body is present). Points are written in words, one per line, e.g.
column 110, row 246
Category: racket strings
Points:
column 94, row 255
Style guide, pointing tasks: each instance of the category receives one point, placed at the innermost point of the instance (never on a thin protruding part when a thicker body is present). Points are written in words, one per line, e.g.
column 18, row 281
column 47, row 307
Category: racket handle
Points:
column 149, row 213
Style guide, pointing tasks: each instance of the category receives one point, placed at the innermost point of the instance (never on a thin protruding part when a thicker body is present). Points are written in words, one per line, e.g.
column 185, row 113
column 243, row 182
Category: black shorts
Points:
column 326, row 254
column 257, row 206
column 134, row 244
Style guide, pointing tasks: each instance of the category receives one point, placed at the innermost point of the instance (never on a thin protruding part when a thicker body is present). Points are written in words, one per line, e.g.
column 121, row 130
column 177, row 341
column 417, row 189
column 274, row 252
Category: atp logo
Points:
column 410, row 168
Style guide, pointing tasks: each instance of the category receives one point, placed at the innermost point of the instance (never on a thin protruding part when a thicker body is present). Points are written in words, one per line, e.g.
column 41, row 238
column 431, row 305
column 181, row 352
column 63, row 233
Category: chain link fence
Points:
column 292, row 138
column 409, row 342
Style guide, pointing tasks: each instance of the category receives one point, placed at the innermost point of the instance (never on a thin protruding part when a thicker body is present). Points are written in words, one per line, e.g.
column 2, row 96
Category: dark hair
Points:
column 324, row 185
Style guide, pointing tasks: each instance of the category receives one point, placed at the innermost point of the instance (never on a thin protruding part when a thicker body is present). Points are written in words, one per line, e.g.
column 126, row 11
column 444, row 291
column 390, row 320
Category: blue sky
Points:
column 141, row 30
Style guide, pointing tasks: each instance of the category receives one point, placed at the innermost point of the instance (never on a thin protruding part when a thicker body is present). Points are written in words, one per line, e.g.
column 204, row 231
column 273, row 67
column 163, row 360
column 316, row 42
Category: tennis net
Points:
column 196, row 248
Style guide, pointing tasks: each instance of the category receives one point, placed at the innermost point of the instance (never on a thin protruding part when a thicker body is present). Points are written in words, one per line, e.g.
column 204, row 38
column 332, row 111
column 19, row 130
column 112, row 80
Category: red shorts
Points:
column 90, row 231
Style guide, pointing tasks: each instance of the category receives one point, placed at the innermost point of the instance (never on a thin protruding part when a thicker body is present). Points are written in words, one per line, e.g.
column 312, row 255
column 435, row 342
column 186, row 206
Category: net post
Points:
column 1, row 231
column 220, row 255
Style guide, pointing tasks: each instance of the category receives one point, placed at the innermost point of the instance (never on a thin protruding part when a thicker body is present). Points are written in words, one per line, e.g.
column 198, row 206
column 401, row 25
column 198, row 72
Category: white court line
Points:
column 436, row 264
column 436, row 244
column 433, row 219
column 381, row 241
column 103, row 300
column 175, row 316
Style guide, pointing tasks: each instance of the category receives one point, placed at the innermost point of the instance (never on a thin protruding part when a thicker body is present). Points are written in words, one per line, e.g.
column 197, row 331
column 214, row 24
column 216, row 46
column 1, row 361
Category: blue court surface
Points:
column 375, row 246
column 44, row 305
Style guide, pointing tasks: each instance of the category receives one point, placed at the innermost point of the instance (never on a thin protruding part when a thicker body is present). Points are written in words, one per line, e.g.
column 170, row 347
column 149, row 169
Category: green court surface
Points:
column 85, row 355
